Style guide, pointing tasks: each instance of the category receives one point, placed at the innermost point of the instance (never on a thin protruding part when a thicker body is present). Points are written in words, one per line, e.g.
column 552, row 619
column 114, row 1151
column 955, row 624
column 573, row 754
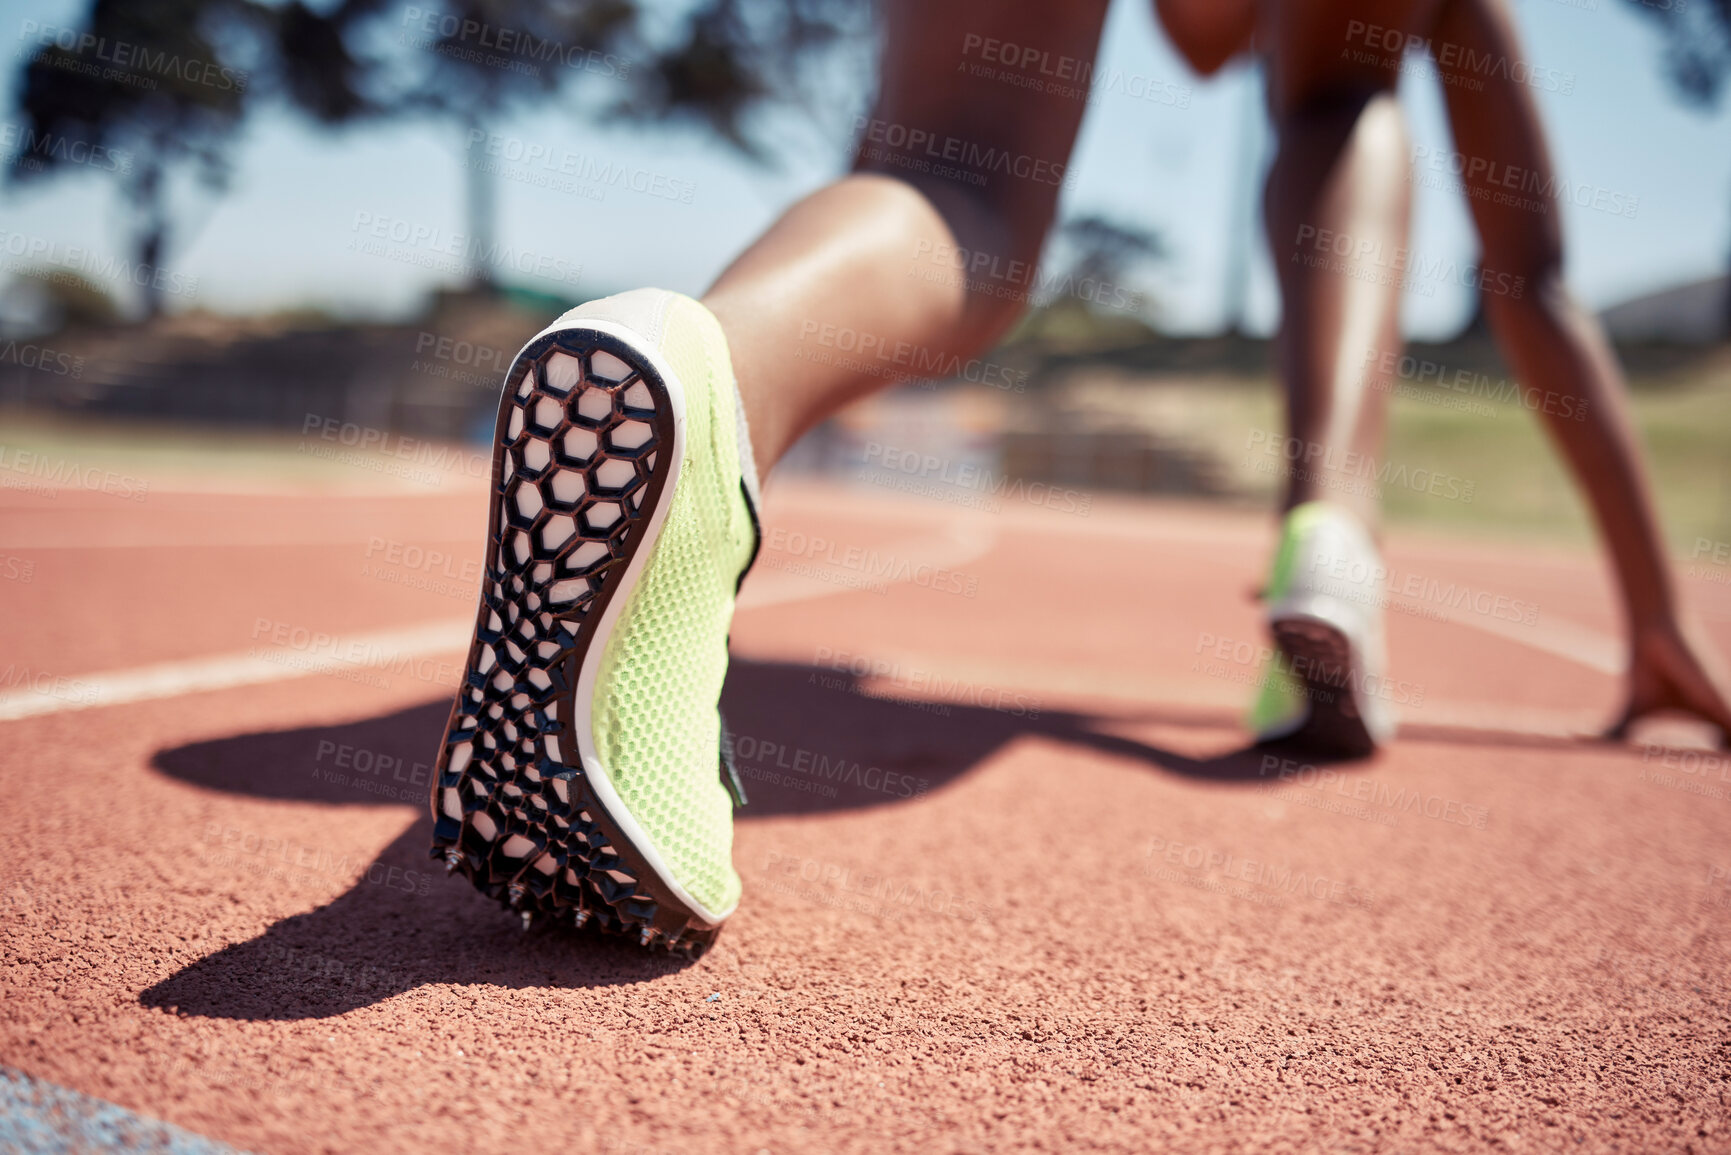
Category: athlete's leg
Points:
column 948, row 160
column 585, row 773
column 1556, row 349
column 1336, row 209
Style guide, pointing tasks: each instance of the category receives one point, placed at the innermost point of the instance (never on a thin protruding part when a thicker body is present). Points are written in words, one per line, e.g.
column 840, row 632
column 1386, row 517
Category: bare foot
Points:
column 1676, row 669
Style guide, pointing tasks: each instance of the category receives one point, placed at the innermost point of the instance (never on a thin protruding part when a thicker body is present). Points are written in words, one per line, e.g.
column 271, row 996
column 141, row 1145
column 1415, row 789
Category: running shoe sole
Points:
column 1321, row 657
column 588, row 446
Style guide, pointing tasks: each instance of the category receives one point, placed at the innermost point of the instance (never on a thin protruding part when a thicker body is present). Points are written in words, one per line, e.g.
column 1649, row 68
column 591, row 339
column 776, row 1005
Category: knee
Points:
column 992, row 247
column 1524, row 286
column 1522, row 263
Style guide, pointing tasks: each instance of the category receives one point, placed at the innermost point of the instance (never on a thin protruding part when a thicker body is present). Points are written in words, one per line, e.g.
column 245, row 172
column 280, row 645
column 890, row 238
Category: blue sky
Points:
column 289, row 231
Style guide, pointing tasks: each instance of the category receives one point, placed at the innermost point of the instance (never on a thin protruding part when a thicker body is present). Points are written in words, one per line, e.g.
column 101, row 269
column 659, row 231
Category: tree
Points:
column 1105, row 249
column 726, row 59
column 157, row 81
column 137, row 90
column 1697, row 62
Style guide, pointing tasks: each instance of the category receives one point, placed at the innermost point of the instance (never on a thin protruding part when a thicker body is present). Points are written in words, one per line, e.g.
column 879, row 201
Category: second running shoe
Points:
column 1325, row 600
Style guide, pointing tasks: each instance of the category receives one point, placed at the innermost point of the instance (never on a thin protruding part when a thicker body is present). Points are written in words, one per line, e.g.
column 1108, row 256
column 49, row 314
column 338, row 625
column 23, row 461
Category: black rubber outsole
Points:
column 1321, row 657
column 583, row 450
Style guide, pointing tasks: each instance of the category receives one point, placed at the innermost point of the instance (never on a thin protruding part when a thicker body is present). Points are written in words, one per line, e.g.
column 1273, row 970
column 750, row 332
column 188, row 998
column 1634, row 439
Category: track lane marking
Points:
column 251, row 668
column 228, row 671
column 958, row 543
column 224, row 671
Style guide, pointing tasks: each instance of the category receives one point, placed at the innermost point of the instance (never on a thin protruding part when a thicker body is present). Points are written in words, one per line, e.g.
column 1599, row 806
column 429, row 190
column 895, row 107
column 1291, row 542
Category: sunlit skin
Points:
column 852, row 254
column 1342, row 166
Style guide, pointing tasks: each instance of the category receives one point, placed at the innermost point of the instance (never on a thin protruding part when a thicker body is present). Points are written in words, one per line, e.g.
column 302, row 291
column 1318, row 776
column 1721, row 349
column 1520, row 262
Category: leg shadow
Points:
column 805, row 741
column 403, row 925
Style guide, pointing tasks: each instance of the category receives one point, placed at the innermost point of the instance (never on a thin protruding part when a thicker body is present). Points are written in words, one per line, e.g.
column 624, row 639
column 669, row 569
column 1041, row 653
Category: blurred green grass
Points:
column 1522, row 488
column 1519, row 487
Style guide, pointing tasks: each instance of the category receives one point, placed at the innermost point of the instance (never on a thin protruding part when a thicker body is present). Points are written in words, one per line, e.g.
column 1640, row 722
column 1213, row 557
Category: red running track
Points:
column 1013, row 880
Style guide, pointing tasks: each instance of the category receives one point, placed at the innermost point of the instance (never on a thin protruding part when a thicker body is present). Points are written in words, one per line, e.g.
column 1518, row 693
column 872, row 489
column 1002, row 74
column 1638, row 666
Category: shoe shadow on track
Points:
column 805, row 741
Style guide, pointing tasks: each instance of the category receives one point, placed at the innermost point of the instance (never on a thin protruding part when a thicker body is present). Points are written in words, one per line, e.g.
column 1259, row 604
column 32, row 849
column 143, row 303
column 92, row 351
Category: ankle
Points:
column 756, row 409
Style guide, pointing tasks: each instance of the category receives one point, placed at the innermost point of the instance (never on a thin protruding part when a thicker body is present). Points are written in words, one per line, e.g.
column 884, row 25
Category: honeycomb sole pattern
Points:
column 1322, row 658
column 583, row 450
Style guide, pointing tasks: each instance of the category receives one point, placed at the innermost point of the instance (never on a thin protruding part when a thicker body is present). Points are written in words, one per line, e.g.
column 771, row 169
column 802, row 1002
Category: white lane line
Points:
column 956, row 681
column 779, row 578
column 359, row 652
column 145, row 539
column 50, row 694
column 1549, row 635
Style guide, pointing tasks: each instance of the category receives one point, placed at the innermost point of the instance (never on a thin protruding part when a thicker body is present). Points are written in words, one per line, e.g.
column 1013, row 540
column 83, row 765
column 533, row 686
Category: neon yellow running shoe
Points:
column 1326, row 690
column 583, row 774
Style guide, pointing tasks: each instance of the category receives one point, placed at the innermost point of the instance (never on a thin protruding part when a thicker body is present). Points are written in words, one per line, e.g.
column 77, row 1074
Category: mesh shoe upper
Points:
column 655, row 724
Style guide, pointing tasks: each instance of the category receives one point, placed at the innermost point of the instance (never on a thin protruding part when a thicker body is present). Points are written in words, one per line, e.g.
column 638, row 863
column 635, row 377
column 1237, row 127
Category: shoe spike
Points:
column 514, row 895
column 453, row 859
column 646, row 936
column 528, row 917
column 582, row 917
